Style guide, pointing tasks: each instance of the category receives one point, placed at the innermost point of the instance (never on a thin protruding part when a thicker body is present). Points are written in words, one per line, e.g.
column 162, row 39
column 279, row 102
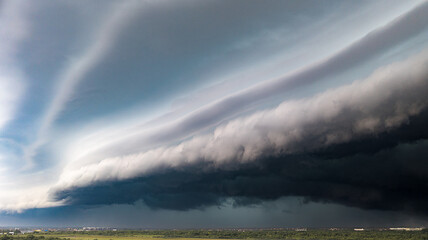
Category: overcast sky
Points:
column 169, row 114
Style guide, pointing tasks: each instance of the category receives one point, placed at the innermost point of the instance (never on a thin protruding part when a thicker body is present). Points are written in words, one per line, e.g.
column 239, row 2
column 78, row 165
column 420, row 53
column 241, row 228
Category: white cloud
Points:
column 75, row 72
column 11, row 90
column 13, row 29
column 17, row 200
column 24, row 190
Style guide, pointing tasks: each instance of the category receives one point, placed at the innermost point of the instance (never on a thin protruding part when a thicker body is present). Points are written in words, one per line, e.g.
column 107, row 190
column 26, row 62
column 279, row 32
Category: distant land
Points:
column 93, row 233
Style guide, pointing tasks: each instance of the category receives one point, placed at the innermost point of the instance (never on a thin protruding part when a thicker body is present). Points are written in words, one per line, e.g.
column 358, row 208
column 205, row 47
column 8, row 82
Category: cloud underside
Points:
column 392, row 179
column 360, row 145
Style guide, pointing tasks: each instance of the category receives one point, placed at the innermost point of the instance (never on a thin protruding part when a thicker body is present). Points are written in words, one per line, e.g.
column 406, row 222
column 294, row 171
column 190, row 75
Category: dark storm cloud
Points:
column 385, row 172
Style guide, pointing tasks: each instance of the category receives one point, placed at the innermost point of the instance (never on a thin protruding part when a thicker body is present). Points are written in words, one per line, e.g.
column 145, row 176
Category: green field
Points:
column 224, row 234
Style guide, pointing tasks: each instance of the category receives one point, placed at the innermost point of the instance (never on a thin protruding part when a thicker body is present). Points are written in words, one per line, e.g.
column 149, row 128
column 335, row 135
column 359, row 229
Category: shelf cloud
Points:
column 384, row 101
column 213, row 107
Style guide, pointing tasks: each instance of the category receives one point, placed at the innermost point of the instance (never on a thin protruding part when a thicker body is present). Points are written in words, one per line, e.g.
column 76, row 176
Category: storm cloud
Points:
column 213, row 107
column 309, row 147
column 389, row 177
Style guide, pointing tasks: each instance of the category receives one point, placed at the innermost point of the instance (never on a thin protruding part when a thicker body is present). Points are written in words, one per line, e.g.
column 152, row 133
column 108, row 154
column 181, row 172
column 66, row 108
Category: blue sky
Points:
column 152, row 109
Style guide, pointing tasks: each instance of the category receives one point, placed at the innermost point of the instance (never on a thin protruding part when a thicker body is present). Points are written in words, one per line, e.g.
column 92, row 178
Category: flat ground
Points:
column 137, row 237
column 345, row 234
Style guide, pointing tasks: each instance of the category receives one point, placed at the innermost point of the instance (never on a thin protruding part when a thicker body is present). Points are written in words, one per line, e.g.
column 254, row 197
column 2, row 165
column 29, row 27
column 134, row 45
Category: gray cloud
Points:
column 401, row 29
column 383, row 101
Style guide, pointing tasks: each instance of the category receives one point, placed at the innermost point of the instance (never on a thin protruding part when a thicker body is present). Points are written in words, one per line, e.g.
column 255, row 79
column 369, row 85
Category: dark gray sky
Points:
column 166, row 114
